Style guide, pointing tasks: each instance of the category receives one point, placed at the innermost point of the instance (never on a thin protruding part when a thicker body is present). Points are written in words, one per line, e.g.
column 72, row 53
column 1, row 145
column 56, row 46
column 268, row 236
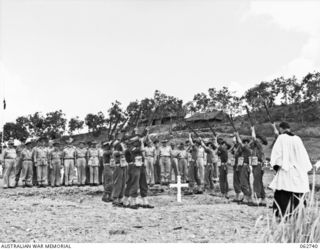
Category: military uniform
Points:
column 34, row 168
column 223, row 170
column 107, row 175
column 243, row 155
column 257, row 158
column 165, row 163
column 174, row 165
column 137, row 177
column 70, row 177
column 119, row 175
column 236, row 171
column 81, row 154
column 200, row 163
column 55, row 166
column 9, row 159
column 193, row 168
column 212, row 160
column 149, row 153
column 41, row 160
column 18, row 164
column 157, row 168
column 183, row 164
column 27, row 167
column 93, row 163
column 101, row 167
column 49, row 149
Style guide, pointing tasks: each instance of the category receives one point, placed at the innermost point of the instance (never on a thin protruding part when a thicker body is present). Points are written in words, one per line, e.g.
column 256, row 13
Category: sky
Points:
column 81, row 55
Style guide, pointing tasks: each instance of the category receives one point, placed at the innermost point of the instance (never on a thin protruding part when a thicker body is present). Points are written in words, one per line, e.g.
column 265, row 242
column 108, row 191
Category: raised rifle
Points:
column 118, row 130
column 249, row 116
column 115, row 126
column 268, row 113
column 211, row 129
column 193, row 131
column 231, row 122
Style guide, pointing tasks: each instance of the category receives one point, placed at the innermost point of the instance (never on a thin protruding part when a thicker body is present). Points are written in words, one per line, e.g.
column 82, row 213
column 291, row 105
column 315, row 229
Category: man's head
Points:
column 11, row 143
column 69, row 141
column 246, row 141
column 106, row 145
column 156, row 143
column 94, row 144
column 56, row 145
column 28, row 144
column 197, row 142
column 220, row 141
column 42, row 142
column 210, row 145
column 164, row 143
column 172, row 145
column 50, row 143
column 284, row 126
column 82, row 144
column 181, row 146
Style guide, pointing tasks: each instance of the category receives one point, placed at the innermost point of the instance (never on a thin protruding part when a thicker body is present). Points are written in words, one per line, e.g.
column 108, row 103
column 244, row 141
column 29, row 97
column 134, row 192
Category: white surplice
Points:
column 290, row 154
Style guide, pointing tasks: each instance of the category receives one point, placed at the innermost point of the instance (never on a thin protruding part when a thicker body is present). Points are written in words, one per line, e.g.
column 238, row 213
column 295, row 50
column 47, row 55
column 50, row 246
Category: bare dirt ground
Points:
column 78, row 215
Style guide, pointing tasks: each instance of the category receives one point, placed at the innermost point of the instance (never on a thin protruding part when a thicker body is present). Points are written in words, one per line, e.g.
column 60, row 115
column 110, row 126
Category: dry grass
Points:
column 302, row 226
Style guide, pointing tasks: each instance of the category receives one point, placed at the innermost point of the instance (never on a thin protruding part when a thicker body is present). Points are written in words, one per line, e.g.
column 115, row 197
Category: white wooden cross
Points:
column 179, row 185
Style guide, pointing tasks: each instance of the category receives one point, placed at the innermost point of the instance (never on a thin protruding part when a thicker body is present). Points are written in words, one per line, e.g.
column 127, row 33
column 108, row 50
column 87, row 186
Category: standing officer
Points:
column 9, row 159
column 41, row 160
column 93, row 163
column 27, row 165
column 18, row 162
column 69, row 164
column 55, row 165
column 183, row 162
column 257, row 159
column 165, row 162
column 81, row 154
column 149, row 162
column 157, row 169
column 174, row 162
column 108, row 171
column 50, row 148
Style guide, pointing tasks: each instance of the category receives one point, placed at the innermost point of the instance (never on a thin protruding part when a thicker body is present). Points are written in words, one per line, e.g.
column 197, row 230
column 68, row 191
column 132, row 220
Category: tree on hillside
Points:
column 132, row 112
column 95, row 122
column 311, row 82
column 15, row 131
column 23, row 122
column 54, row 124
column 265, row 92
column 295, row 90
column 75, row 124
column 36, row 125
column 189, row 108
column 168, row 105
column 116, row 117
column 202, row 102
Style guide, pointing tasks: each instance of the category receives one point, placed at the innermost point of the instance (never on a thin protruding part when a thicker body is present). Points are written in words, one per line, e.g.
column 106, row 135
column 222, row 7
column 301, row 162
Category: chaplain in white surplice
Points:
column 292, row 163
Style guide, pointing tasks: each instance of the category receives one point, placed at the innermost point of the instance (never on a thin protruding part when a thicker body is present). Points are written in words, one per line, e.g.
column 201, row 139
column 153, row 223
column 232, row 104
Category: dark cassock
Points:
column 290, row 159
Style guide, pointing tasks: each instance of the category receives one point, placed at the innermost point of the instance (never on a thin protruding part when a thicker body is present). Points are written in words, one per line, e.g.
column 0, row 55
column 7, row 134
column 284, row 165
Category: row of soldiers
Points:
column 133, row 164
column 52, row 165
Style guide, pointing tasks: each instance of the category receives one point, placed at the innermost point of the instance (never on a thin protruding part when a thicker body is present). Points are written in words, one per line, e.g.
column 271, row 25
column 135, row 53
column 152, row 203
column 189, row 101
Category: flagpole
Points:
column 3, row 112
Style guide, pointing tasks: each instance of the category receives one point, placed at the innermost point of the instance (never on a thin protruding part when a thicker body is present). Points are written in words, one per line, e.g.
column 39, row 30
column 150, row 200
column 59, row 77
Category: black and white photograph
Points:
column 159, row 121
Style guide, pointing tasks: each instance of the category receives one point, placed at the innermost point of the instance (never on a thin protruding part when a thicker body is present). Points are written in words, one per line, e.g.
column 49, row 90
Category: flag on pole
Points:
column 4, row 104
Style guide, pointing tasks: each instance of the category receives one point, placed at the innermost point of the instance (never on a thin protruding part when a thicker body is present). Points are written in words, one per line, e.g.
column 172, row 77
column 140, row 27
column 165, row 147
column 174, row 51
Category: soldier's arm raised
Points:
column 190, row 139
